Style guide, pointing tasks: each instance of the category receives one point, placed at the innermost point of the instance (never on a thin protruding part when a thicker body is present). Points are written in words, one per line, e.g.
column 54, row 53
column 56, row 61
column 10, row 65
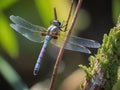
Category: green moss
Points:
column 107, row 58
column 87, row 71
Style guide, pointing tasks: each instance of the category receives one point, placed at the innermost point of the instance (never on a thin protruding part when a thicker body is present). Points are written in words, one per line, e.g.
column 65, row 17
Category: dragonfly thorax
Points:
column 53, row 31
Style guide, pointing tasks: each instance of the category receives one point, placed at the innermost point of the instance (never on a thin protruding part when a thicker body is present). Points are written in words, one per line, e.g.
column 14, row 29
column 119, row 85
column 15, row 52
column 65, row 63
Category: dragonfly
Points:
column 40, row 34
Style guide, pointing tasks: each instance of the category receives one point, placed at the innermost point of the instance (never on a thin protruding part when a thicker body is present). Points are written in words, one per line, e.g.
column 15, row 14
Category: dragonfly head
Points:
column 56, row 23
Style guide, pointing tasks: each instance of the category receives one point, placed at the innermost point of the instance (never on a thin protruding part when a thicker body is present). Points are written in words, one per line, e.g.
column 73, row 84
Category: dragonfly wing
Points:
column 77, row 47
column 60, row 40
column 31, row 35
column 84, row 42
column 70, row 45
column 22, row 22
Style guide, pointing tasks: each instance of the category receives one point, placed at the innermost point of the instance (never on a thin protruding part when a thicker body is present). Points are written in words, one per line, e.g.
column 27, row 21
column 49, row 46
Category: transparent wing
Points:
column 77, row 47
column 71, row 46
column 77, row 44
column 84, row 42
column 60, row 40
column 22, row 22
column 33, row 36
column 28, row 30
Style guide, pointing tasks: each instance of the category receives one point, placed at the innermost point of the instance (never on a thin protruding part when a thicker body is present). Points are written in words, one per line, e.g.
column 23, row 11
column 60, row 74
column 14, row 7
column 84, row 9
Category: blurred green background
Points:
column 18, row 55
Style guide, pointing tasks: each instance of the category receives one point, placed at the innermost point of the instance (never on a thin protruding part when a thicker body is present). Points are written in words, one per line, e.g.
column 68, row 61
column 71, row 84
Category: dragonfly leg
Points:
column 44, row 33
column 54, row 35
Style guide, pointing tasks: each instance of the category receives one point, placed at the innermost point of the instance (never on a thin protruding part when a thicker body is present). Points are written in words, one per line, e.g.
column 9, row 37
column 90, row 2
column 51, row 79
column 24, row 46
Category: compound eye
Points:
column 59, row 23
column 56, row 23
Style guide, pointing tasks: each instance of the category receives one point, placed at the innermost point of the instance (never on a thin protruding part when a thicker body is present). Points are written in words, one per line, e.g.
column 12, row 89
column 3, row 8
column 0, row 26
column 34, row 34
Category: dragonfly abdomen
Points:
column 37, row 65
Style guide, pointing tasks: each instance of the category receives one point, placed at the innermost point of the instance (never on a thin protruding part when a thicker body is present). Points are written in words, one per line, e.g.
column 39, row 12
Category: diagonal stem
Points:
column 62, row 48
column 69, row 15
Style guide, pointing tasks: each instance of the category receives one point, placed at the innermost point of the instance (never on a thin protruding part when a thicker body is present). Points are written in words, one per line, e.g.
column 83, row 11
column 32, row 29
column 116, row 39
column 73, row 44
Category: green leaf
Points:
column 46, row 12
column 115, row 9
column 6, row 3
column 11, row 76
column 7, row 39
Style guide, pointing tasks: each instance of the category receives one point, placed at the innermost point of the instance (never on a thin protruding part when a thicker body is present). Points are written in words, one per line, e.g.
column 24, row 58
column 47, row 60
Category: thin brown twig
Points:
column 55, row 14
column 62, row 48
column 69, row 14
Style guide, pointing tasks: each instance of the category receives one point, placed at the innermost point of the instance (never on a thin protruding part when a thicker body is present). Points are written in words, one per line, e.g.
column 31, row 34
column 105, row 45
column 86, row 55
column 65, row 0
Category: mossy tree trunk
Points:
column 102, row 74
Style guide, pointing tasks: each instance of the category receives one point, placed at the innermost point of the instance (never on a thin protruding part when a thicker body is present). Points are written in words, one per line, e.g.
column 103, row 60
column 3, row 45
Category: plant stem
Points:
column 55, row 14
column 62, row 48
column 69, row 15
